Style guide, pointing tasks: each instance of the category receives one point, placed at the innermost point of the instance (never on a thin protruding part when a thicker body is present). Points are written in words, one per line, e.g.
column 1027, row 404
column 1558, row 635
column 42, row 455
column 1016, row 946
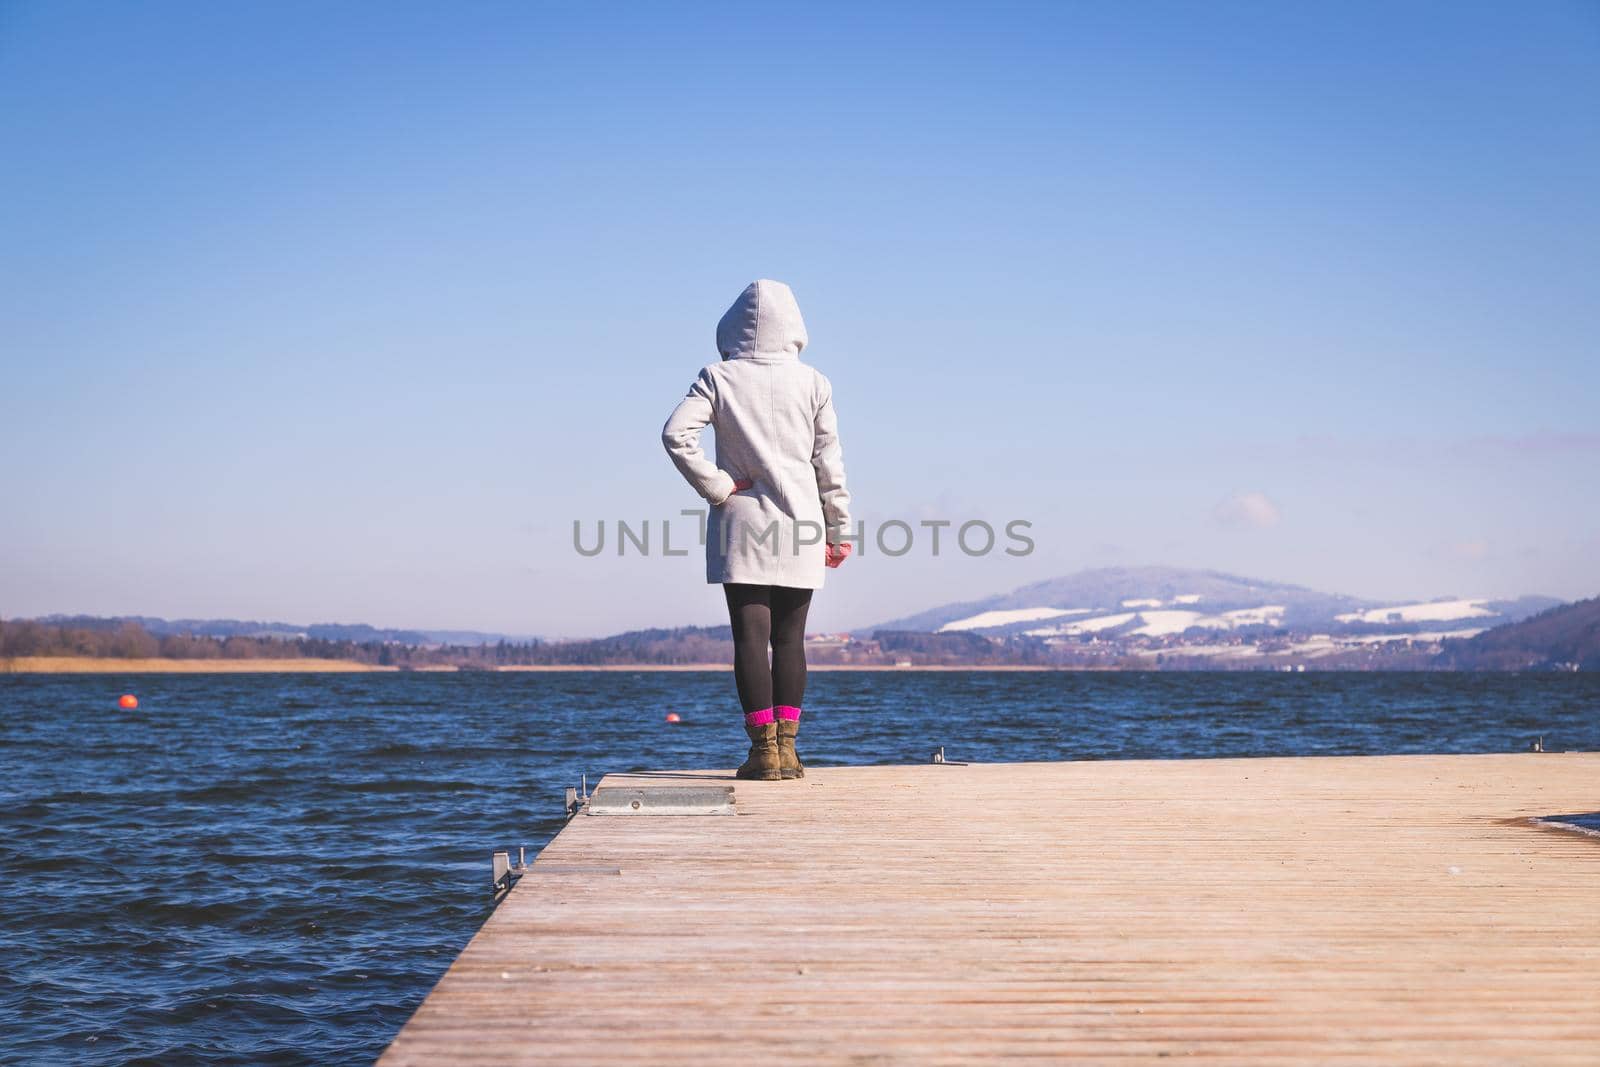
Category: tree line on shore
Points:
column 127, row 639
column 1567, row 637
column 123, row 639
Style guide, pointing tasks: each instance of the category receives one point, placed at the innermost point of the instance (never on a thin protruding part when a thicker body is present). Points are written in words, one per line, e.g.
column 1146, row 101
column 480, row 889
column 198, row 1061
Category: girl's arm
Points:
column 827, row 458
column 681, row 436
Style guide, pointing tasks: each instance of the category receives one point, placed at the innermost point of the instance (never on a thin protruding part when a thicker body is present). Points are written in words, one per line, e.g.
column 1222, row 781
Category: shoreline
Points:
column 514, row 668
column 95, row 665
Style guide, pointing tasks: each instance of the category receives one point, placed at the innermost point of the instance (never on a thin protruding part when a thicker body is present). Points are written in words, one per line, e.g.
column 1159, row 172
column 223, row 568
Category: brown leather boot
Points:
column 762, row 763
column 789, row 764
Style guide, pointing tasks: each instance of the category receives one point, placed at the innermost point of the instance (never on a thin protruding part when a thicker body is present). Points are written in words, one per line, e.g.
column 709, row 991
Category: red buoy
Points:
column 128, row 701
column 673, row 716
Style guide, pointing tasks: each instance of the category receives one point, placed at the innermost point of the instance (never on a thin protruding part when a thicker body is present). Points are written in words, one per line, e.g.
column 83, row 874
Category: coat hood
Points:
column 764, row 322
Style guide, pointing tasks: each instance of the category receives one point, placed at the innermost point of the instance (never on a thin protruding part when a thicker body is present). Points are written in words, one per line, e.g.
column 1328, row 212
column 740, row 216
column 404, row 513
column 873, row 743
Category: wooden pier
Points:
column 1374, row 910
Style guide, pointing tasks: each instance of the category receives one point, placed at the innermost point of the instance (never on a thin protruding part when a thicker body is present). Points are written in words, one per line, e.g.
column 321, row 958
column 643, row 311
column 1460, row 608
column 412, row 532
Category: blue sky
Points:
column 346, row 312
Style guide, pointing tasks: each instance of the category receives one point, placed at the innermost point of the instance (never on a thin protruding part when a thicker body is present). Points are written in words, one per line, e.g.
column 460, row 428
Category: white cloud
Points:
column 1243, row 509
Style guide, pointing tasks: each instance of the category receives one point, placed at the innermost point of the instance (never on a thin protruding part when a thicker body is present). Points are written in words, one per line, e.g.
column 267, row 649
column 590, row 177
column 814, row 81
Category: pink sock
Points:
column 788, row 711
column 758, row 718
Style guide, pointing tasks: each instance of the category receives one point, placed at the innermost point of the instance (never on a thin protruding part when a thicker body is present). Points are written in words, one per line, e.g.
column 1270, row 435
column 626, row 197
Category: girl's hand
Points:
column 837, row 554
column 739, row 486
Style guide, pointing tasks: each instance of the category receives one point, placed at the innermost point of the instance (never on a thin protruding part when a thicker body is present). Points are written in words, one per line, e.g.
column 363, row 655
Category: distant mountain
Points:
column 325, row 631
column 1164, row 601
column 1563, row 638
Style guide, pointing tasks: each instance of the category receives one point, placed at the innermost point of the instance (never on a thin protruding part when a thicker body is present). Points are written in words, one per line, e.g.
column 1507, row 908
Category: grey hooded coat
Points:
column 775, row 426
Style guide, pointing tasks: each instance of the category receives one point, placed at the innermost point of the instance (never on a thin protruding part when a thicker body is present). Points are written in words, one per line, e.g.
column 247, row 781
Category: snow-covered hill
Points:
column 1167, row 602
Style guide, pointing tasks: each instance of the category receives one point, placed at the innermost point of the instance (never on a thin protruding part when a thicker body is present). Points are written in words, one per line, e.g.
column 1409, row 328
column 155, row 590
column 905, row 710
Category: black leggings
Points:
column 763, row 615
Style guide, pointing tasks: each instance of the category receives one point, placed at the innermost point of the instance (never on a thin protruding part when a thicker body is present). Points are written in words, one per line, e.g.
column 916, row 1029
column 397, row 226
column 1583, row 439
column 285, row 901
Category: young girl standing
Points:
column 779, row 512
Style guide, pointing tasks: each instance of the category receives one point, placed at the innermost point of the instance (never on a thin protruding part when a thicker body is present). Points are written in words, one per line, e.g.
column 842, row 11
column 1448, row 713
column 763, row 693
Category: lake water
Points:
column 275, row 869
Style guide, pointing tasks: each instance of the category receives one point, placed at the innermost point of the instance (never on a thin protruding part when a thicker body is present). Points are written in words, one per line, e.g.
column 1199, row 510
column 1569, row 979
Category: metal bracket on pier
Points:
column 577, row 801
column 505, row 874
column 663, row 800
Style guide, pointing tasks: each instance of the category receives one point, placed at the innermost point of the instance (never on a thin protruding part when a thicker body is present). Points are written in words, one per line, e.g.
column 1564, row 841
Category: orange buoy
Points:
column 128, row 701
column 673, row 716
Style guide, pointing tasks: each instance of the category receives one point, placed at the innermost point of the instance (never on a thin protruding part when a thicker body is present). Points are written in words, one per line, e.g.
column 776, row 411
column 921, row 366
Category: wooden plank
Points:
column 1383, row 910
